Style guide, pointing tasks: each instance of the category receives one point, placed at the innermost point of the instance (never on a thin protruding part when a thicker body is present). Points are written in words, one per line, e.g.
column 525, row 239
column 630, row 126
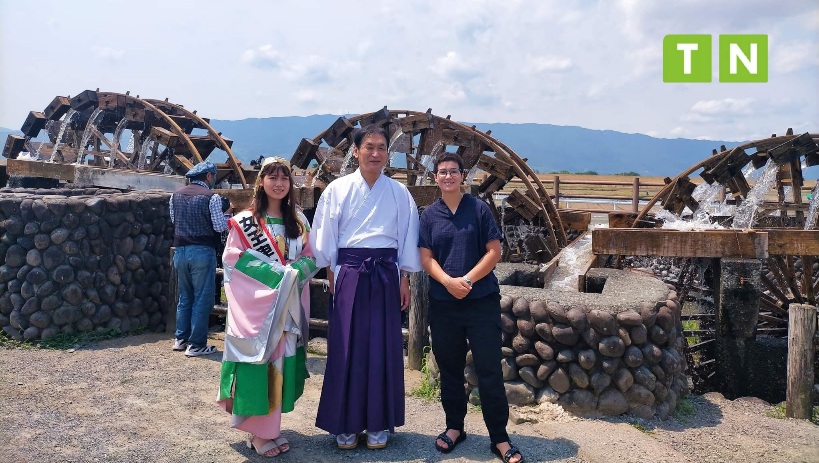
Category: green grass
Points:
column 690, row 325
column 642, row 428
column 779, row 412
column 426, row 390
column 8, row 343
column 685, row 409
column 67, row 341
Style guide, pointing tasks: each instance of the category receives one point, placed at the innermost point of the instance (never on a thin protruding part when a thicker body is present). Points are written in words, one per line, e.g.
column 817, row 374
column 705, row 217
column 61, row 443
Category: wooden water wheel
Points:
column 416, row 139
column 776, row 197
column 91, row 129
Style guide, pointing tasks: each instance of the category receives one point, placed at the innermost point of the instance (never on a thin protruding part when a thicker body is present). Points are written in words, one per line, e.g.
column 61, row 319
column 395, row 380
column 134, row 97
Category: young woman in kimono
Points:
column 267, row 272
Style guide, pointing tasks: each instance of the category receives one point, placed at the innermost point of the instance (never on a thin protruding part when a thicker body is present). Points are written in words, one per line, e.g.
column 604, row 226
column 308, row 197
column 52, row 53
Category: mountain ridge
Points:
column 547, row 147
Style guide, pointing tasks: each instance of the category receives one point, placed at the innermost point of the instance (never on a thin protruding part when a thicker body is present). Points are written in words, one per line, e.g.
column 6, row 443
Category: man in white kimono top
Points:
column 365, row 230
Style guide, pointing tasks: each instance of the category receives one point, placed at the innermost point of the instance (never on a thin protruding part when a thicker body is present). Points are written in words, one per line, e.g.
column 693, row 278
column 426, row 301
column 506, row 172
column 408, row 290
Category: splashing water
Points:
column 813, row 208
column 571, row 261
column 143, row 153
column 316, row 174
column 744, row 216
column 427, row 161
column 66, row 120
column 48, row 127
column 86, row 135
column 134, row 135
column 672, row 221
column 347, row 160
column 786, row 191
column 503, row 216
column 748, row 170
column 471, row 175
column 706, row 196
column 391, row 147
column 115, row 142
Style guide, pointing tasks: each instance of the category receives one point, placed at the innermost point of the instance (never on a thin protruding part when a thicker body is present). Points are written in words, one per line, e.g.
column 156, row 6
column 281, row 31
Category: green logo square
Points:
column 743, row 58
column 687, row 58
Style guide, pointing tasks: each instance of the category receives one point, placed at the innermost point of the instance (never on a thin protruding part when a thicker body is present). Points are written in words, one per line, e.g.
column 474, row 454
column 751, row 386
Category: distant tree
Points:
column 629, row 174
column 588, row 172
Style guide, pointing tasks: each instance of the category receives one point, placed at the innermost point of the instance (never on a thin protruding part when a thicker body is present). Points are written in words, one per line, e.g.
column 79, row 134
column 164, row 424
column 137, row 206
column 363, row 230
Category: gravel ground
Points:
column 134, row 400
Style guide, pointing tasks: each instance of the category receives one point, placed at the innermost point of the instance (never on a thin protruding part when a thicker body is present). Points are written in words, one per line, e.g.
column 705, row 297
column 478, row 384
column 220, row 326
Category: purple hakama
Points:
column 364, row 378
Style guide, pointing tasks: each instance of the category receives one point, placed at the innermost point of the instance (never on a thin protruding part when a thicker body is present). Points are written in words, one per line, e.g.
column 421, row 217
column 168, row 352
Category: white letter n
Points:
column 735, row 53
column 687, row 48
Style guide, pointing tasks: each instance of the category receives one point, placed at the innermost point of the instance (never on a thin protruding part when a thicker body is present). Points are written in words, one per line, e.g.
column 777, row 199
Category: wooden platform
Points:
column 95, row 176
column 758, row 244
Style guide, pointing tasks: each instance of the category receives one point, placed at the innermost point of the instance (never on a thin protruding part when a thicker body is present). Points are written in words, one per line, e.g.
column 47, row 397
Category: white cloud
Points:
column 724, row 107
column 307, row 97
column 453, row 93
column 108, row 53
column 264, row 57
column 546, row 64
column 453, row 66
column 795, row 56
column 597, row 90
column 312, row 69
column 678, row 131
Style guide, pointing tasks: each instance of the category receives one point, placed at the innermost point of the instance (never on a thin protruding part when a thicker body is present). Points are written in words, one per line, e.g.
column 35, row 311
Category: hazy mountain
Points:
column 547, row 147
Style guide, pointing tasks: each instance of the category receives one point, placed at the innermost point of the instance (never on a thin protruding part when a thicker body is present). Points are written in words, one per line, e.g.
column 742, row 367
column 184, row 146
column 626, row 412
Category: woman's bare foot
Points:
column 504, row 447
column 259, row 443
column 452, row 434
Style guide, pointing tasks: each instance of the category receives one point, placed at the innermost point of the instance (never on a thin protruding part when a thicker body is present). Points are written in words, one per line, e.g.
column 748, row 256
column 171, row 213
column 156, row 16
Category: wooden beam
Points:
column 674, row 243
column 40, row 169
column 575, row 220
column 127, row 179
column 793, row 242
column 523, row 205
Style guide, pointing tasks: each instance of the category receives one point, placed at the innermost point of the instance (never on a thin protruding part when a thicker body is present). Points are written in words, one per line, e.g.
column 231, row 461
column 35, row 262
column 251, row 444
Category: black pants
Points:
column 452, row 323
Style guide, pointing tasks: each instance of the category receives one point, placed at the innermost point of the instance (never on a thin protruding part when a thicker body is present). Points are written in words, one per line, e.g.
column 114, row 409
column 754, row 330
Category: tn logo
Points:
column 742, row 58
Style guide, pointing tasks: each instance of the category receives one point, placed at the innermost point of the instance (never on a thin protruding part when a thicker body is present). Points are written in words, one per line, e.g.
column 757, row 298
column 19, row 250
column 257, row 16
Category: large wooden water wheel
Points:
column 416, row 140
column 756, row 185
column 91, row 128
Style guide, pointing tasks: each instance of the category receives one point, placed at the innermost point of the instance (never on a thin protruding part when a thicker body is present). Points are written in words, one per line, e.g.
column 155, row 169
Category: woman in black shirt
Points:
column 460, row 245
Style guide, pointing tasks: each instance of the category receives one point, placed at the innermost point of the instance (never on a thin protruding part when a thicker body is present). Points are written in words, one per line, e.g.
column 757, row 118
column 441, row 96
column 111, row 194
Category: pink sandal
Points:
column 270, row 445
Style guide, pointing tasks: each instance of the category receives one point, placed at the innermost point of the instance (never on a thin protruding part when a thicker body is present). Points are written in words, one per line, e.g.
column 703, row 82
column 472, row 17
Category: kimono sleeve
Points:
column 409, row 254
column 305, row 262
column 323, row 241
column 234, row 246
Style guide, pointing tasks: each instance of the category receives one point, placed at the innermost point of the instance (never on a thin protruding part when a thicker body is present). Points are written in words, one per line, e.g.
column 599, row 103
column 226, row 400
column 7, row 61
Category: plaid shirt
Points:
column 198, row 217
column 215, row 206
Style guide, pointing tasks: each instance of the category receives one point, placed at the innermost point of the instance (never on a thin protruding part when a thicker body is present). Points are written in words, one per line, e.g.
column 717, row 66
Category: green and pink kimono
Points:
column 266, row 285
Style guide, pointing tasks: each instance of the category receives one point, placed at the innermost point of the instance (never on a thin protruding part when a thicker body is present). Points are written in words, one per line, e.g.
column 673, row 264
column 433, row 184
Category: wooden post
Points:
column 419, row 304
column 173, row 297
column 557, row 192
column 635, row 195
column 801, row 328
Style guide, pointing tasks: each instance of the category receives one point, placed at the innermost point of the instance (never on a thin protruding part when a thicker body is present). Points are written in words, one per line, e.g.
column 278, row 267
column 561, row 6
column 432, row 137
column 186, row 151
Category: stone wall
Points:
column 610, row 353
column 82, row 259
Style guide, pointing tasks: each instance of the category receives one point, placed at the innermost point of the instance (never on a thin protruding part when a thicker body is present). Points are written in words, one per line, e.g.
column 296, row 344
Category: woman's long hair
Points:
column 293, row 227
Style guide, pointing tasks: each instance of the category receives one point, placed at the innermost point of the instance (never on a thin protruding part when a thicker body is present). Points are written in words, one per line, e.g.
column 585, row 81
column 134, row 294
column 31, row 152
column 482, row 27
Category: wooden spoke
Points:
column 482, row 154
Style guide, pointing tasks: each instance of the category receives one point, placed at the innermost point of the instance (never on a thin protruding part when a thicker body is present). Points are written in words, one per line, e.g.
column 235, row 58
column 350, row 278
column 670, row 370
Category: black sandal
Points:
column 509, row 453
column 450, row 445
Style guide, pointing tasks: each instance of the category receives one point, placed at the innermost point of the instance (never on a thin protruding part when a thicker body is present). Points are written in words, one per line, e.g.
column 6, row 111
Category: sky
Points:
column 594, row 64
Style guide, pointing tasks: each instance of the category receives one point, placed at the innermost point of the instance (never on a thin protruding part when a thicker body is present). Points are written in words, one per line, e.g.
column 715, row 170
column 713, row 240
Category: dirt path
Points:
column 134, row 400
